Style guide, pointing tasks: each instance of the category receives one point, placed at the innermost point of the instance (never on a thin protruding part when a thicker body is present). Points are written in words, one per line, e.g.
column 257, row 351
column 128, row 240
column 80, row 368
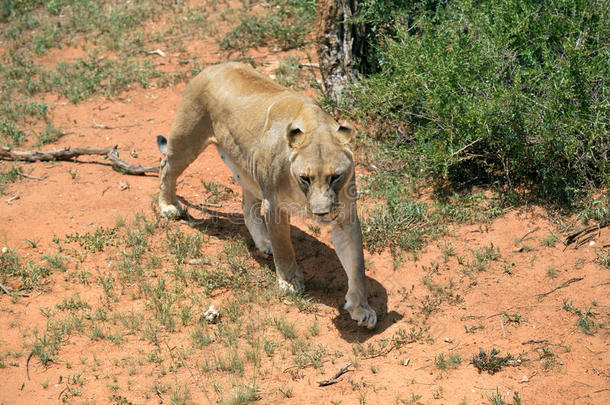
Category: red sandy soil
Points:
column 98, row 196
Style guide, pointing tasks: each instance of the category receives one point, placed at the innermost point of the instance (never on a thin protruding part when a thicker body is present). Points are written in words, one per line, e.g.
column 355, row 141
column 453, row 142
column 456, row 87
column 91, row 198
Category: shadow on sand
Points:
column 325, row 280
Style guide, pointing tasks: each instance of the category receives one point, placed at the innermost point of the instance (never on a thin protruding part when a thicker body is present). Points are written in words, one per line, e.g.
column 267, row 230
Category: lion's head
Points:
column 321, row 161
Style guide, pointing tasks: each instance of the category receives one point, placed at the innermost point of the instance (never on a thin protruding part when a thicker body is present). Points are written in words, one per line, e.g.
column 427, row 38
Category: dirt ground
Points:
column 526, row 301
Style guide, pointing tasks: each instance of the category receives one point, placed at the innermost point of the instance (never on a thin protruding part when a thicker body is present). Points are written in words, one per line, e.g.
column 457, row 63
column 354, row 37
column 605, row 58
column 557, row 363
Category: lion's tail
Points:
column 162, row 144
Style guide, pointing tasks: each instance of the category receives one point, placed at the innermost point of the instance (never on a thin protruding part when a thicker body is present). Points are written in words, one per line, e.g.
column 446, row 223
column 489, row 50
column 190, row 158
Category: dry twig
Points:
column 27, row 365
column 28, row 176
column 3, row 288
column 534, row 342
column 334, row 379
column 565, row 284
column 526, row 234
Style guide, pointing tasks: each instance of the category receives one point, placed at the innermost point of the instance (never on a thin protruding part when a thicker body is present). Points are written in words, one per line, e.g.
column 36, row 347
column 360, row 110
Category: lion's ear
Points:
column 295, row 136
column 344, row 133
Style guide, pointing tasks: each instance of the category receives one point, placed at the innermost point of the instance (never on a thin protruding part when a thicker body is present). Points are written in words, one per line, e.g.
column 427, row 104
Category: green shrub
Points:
column 514, row 92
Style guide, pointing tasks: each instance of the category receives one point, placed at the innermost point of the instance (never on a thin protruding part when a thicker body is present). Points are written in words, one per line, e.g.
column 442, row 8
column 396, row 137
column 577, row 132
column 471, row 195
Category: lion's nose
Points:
column 321, row 213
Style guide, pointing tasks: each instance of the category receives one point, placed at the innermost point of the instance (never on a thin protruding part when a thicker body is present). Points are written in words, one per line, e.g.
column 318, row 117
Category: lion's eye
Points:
column 305, row 180
column 335, row 178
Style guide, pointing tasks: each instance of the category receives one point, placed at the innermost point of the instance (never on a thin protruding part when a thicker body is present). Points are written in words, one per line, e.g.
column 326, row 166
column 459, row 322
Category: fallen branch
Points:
column 70, row 153
column 334, row 379
column 582, row 236
column 567, row 283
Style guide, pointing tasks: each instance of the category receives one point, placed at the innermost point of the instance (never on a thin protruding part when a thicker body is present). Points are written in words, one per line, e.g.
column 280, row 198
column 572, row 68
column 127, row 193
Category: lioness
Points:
column 289, row 156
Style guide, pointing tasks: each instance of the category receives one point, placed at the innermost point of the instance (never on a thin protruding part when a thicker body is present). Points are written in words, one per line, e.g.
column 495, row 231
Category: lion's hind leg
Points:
column 189, row 136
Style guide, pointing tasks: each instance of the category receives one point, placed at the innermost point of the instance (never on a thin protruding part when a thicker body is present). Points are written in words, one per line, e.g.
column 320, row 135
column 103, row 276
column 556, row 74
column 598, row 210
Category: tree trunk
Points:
column 340, row 43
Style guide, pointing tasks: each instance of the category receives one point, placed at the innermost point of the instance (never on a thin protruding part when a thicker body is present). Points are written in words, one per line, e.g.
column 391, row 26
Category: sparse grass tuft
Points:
column 285, row 25
column 481, row 259
column 492, row 363
column 515, row 317
column 552, row 272
column 96, row 241
column 445, row 363
column 585, row 321
column 28, row 274
column 286, row 328
column 498, row 399
column 10, row 176
column 289, row 73
column 603, row 257
column 550, row 240
column 243, row 395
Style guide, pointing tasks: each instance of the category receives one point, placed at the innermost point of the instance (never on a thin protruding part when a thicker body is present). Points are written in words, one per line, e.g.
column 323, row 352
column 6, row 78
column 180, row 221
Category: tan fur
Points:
column 271, row 137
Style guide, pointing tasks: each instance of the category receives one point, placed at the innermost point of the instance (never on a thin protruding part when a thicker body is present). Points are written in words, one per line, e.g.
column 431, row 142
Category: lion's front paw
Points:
column 294, row 285
column 362, row 313
column 170, row 212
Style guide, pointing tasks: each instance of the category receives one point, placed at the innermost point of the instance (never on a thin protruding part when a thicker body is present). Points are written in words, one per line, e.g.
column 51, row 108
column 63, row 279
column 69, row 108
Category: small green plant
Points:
column 474, row 328
column 597, row 210
column 57, row 262
column 10, row 133
column 547, row 357
column 491, row 362
column 201, row 338
column 498, row 399
column 550, row 240
column 515, row 317
column 33, row 243
column 269, row 347
column 285, row 328
column 49, row 134
column 75, row 303
column 314, row 229
column 445, row 363
column 28, row 274
column 481, row 259
column 603, row 257
column 46, row 347
column 287, row 392
column 448, row 250
column 314, row 329
column 218, row 192
column 289, row 71
column 180, row 396
column 286, row 25
column 396, row 226
column 96, row 241
column 403, row 337
column 552, row 272
column 585, row 321
column 9, row 176
column 243, row 395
